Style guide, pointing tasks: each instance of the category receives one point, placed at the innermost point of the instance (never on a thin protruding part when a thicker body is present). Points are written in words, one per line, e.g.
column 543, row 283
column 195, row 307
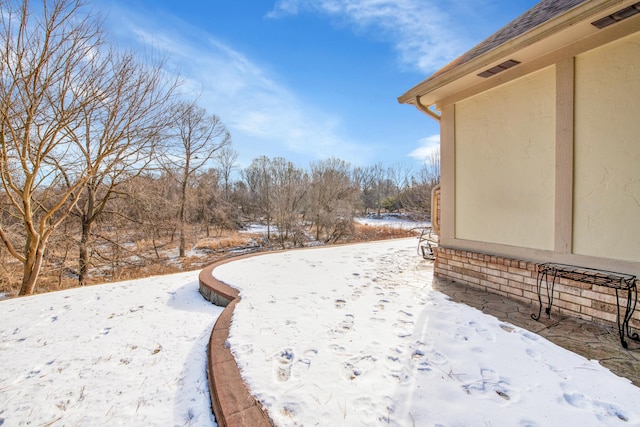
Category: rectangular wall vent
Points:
column 617, row 16
column 499, row 68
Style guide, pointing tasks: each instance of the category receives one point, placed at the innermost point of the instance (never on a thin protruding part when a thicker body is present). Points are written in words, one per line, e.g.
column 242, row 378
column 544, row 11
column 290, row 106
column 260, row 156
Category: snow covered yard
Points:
column 345, row 336
column 129, row 353
column 354, row 335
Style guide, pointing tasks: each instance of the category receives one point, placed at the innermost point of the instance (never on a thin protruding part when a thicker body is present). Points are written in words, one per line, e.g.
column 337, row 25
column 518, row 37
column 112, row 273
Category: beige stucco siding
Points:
column 504, row 163
column 607, row 151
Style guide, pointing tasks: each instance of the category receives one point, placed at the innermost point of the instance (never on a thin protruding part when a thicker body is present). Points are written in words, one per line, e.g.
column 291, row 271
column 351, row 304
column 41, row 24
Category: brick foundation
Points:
column 517, row 279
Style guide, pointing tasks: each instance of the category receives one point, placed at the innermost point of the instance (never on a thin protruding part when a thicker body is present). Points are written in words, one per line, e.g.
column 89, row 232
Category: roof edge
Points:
column 554, row 25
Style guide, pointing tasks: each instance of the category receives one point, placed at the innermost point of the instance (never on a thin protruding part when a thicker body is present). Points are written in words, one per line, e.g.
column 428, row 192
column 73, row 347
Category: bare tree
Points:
column 398, row 174
column 148, row 204
column 126, row 122
column 363, row 177
column 226, row 159
column 257, row 177
column 206, row 203
column 417, row 197
column 333, row 198
column 430, row 171
column 288, row 189
column 47, row 78
column 380, row 186
column 198, row 136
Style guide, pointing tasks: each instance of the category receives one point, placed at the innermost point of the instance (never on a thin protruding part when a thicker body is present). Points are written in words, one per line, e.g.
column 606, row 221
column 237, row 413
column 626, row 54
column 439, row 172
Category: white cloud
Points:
column 423, row 34
column 428, row 146
column 251, row 102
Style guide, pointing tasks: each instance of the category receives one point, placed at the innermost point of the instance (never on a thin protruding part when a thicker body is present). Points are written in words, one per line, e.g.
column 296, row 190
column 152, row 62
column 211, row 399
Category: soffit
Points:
column 525, row 39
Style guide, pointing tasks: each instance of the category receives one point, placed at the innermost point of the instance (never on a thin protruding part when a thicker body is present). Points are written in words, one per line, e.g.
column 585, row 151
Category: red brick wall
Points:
column 517, row 279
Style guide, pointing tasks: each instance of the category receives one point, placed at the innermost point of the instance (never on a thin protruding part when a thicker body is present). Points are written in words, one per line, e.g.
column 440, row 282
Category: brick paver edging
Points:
column 231, row 401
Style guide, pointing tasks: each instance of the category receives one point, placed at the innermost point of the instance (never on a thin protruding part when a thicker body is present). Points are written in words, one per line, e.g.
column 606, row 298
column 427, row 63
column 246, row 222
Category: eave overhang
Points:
column 553, row 34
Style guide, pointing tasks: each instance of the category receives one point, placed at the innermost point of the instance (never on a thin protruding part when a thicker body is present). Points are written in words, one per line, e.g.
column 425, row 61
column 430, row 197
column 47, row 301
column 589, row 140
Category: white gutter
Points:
column 428, row 111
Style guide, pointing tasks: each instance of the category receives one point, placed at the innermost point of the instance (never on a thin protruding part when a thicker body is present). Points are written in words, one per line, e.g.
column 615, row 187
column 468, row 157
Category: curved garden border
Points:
column 231, row 401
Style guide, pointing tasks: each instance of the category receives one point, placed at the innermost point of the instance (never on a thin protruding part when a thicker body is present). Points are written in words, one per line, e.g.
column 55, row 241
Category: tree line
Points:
column 99, row 150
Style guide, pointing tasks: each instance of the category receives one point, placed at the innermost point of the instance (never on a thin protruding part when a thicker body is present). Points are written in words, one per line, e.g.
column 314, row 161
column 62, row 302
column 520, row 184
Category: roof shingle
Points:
column 537, row 15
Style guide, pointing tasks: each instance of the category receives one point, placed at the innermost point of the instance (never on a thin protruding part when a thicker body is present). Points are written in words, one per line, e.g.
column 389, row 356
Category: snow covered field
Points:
column 336, row 336
column 384, row 220
column 129, row 353
column 354, row 335
column 391, row 220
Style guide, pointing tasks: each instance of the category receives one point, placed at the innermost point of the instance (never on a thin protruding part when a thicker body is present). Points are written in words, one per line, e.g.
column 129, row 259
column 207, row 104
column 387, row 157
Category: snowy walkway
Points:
column 354, row 335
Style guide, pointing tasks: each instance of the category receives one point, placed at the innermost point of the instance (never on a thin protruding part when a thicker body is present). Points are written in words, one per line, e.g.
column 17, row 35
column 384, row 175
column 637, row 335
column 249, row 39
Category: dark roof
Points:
column 539, row 14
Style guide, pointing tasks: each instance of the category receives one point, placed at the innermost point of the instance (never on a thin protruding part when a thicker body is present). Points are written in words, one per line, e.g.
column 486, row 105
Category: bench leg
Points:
column 543, row 275
column 624, row 328
column 538, row 290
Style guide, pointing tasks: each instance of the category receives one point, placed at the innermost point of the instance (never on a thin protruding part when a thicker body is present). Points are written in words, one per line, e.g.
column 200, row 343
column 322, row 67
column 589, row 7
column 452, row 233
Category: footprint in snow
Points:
column 34, row 373
column 534, row 354
column 346, row 325
column 243, row 348
column 362, row 404
column 398, row 376
column 483, row 332
column 507, row 327
column 529, row 336
column 489, row 374
column 490, row 386
column 602, row 410
column 436, row 357
column 103, row 332
column 419, row 362
column 577, row 400
column 282, row 365
column 381, row 304
column 403, row 329
column 304, row 363
column 338, row 349
column 357, row 366
column 394, row 357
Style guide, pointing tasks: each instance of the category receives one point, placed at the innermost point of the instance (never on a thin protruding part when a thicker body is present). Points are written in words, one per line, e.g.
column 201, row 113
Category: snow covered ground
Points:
column 129, row 353
column 259, row 229
column 339, row 336
column 384, row 220
column 391, row 220
column 354, row 335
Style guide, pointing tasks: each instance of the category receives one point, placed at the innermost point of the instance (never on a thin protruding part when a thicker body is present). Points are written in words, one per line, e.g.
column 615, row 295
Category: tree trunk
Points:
column 83, row 256
column 85, row 238
column 183, row 202
column 318, row 228
column 32, row 267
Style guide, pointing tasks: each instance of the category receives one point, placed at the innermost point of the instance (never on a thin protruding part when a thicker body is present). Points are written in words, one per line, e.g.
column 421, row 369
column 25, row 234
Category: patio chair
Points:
column 427, row 241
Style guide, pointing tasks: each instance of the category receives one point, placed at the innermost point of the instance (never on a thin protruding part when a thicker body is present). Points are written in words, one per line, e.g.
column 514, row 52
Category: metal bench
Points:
column 550, row 272
column 427, row 242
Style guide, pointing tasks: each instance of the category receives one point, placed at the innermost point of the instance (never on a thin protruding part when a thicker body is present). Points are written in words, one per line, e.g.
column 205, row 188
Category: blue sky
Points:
column 311, row 79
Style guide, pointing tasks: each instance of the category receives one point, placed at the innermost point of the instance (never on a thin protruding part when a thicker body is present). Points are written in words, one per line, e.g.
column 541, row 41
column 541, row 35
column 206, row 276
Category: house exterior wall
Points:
column 567, row 248
column 607, row 151
column 588, row 162
column 504, row 163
